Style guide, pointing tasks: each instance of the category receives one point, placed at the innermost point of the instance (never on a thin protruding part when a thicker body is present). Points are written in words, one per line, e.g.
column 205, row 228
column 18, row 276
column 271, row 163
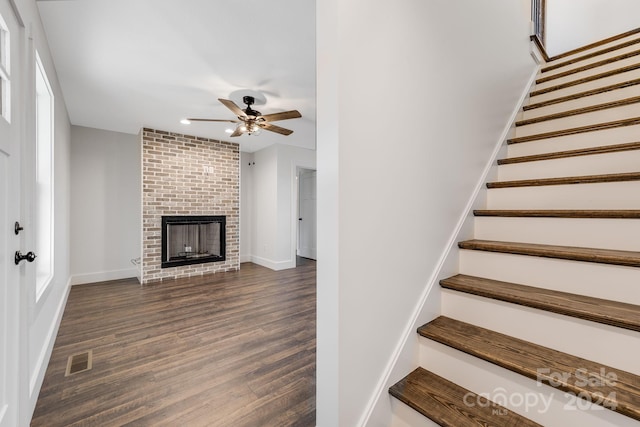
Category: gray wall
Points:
column 105, row 204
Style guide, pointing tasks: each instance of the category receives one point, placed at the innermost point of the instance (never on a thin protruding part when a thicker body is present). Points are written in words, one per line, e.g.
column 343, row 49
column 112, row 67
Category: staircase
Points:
column 542, row 325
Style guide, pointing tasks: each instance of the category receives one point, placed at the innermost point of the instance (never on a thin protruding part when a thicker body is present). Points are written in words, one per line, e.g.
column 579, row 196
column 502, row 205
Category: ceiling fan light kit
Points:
column 249, row 129
column 250, row 121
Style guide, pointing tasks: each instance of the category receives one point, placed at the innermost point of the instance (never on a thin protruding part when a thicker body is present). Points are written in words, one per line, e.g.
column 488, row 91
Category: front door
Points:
column 10, row 182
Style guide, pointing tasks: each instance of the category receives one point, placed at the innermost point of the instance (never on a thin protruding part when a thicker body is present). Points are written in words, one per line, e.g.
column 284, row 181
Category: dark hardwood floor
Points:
column 230, row 349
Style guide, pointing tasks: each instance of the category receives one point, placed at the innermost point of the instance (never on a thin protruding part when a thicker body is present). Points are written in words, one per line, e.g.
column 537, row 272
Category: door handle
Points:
column 299, row 219
column 30, row 257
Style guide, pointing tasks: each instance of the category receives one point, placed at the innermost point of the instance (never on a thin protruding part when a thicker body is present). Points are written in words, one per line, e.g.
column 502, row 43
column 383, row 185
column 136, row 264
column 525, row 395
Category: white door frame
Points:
column 296, row 165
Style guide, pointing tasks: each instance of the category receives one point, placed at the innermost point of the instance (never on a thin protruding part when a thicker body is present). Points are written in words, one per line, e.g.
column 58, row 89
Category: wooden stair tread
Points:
column 443, row 402
column 589, row 66
column 621, row 393
column 579, row 95
column 586, row 79
column 589, row 55
column 572, row 253
column 604, row 149
column 595, row 44
column 573, row 131
column 585, row 179
column 607, row 312
column 561, row 213
column 578, row 111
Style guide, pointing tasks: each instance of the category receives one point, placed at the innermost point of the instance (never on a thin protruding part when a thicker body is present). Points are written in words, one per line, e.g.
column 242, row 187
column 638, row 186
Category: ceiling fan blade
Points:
column 276, row 129
column 212, row 120
column 293, row 114
column 233, row 107
column 236, row 132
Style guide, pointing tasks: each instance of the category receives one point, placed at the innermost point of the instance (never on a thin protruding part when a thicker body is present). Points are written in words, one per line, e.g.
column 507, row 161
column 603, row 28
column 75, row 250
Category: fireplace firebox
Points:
column 192, row 240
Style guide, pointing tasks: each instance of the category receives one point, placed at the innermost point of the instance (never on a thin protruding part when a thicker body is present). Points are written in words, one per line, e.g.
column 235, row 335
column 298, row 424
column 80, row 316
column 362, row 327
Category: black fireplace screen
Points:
column 192, row 240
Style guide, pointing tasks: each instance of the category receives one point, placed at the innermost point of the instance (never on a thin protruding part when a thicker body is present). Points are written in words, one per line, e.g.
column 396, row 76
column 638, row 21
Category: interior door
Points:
column 10, row 185
column 307, row 214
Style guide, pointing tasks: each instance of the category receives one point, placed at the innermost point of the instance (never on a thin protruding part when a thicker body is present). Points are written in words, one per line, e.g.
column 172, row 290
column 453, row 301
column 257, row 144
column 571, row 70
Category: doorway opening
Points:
column 307, row 217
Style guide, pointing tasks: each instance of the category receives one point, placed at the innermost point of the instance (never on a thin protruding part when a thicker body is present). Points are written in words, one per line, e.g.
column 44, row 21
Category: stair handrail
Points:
column 535, row 39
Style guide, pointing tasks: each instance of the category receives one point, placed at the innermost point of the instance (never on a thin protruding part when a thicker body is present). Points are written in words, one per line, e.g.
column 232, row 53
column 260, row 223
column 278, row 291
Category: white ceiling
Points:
column 127, row 64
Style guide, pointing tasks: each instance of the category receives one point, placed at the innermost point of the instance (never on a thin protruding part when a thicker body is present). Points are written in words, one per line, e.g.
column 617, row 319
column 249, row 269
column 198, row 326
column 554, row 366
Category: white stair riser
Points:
column 598, row 138
column 612, row 282
column 594, row 164
column 617, row 234
column 590, row 72
column 587, row 101
column 570, row 335
column 610, row 195
column 405, row 416
column 589, row 61
column 597, row 49
column 579, row 120
column 515, row 390
column 582, row 87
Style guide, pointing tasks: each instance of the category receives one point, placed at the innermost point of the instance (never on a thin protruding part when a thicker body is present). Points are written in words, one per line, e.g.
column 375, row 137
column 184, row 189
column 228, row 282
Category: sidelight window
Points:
column 5, row 72
column 44, row 207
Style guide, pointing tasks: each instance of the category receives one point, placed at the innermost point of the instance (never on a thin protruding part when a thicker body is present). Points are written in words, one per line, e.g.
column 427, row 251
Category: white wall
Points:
column 246, row 206
column 265, row 208
column 289, row 159
column 105, row 204
column 572, row 24
column 268, row 188
column 412, row 99
column 39, row 318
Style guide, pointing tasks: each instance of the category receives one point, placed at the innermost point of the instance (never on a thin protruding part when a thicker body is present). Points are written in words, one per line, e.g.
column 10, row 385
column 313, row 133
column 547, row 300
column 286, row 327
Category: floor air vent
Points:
column 79, row 363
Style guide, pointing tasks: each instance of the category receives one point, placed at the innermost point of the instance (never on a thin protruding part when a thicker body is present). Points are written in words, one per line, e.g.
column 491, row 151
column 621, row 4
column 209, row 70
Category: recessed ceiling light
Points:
column 228, row 130
column 185, row 122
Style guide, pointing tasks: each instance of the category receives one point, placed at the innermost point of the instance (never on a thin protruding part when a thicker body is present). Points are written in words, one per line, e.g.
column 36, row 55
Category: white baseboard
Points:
column 37, row 375
column 245, row 258
column 273, row 265
column 102, row 276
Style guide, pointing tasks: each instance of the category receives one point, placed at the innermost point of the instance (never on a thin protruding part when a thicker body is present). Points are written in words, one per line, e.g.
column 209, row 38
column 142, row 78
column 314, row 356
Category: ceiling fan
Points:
column 251, row 121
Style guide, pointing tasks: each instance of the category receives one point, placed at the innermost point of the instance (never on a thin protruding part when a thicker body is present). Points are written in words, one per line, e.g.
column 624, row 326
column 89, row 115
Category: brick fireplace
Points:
column 184, row 175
